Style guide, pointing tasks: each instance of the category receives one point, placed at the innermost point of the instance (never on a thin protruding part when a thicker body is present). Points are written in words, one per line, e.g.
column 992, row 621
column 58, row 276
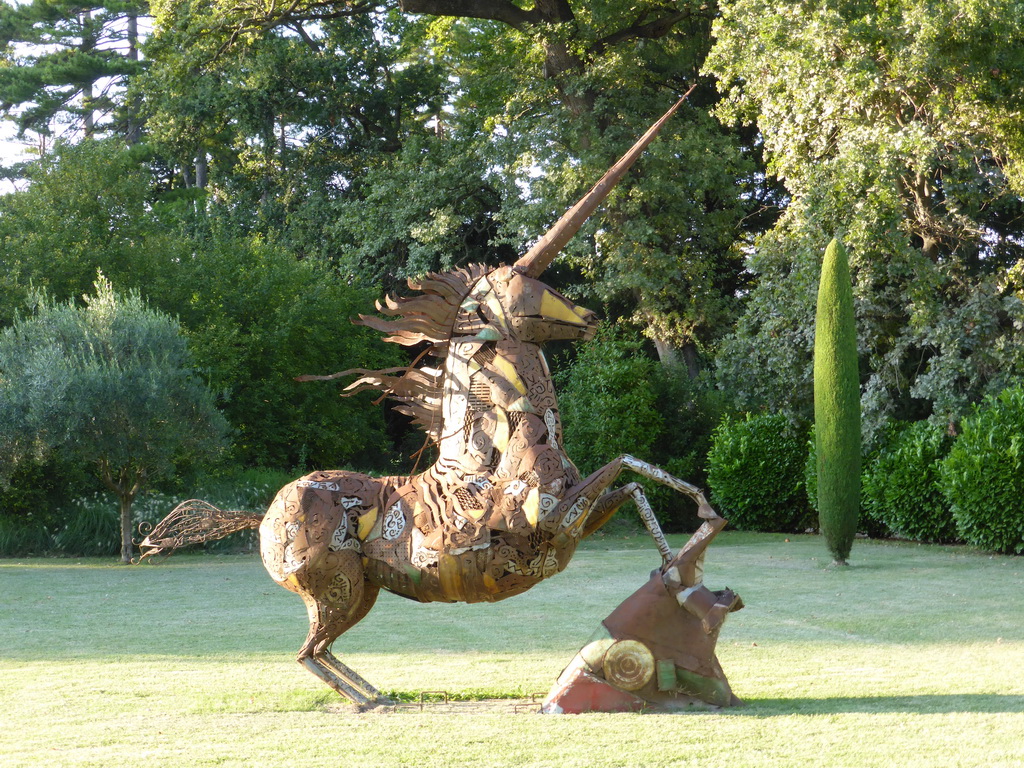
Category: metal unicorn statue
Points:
column 501, row 509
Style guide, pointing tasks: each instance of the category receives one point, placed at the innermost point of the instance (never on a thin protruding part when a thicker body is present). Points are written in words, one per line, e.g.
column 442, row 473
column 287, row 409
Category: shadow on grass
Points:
column 922, row 704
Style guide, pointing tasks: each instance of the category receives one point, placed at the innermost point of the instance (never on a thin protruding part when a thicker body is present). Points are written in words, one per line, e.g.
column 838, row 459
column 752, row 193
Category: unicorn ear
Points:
column 537, row 259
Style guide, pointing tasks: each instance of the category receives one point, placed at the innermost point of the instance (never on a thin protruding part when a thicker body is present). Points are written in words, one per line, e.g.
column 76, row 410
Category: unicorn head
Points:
column 478, row 305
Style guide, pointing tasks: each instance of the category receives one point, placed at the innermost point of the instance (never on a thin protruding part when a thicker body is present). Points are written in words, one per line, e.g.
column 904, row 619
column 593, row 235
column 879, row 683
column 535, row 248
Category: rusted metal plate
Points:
column 580, row 691
column 658, row 645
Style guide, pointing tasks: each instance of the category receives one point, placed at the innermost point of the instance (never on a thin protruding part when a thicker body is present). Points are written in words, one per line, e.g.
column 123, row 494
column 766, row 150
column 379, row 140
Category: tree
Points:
column 662, row 253
column 70, row 60
column 107, row 385
column 290, row 112
column 256, row 318
column 897, row 124
column 837, row 405
column 88, row 207
column 364, row 94
column 255, row 314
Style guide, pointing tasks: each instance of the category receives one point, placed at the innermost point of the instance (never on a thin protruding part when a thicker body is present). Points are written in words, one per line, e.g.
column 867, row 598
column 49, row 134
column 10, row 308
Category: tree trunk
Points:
column 133, row 131
column 127, row 550
column 90, row 118
column 202, row 169
column 88, row 45
column 283, row 143
column 671, row 356
column 126, row 486
column 692, row 359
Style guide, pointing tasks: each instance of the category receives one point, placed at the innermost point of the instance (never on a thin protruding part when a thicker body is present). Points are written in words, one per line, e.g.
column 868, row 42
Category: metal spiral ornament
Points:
column 628, row 664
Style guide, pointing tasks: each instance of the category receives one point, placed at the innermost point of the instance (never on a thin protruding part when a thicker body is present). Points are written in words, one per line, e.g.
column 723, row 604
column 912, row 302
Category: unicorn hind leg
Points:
column 337, row 597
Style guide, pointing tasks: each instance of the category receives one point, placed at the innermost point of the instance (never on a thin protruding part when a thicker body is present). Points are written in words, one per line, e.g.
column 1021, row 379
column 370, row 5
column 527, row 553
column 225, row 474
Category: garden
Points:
column 201, row 205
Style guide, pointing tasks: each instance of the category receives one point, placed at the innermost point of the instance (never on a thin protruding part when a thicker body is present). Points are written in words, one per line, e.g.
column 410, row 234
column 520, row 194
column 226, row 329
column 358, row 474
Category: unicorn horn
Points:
column 537, row 259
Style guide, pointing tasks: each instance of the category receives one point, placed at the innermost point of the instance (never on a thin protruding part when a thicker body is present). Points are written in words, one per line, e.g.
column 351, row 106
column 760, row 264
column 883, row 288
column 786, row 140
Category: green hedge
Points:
column 901, row 486
column 89, row 524
column 983, row 475
column 615, row 398
column 756, row 473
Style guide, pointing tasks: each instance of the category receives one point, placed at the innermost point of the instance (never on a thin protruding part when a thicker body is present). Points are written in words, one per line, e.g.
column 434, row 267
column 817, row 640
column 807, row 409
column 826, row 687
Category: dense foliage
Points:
column 264, row 171
column 901, row 483
column 896, row 124
column 983, row 475
column 756, row 473
column 254, row 314
column 616, row 400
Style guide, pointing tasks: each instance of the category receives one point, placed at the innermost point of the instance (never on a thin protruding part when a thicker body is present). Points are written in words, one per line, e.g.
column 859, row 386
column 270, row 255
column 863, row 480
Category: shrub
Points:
column 755, row 471
column 252, row 489
column 92, row 527
column 616, row 399
column 22, row 536
column 983, row 475
column 689, row 410
column 901, row 484
column 30, row 506
column 608, row 402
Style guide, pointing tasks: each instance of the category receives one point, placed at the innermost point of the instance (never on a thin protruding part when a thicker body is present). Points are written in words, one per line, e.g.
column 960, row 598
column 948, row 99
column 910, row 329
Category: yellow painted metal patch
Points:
column 501, row 432
column 366, row 521
column 553, row 308
column 531, row 507
column 499, row 312
column 508, row 371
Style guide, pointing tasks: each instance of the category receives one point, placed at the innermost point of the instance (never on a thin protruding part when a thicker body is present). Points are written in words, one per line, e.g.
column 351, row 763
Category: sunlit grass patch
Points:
column 914, row 651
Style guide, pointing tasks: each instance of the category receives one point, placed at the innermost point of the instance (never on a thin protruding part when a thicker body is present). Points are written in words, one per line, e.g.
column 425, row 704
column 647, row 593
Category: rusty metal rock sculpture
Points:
column 501, row 509
column 656, row 651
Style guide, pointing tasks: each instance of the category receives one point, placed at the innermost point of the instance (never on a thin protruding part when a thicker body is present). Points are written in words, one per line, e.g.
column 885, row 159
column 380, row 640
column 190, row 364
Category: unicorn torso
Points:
column 482, row 519
column 491, row 517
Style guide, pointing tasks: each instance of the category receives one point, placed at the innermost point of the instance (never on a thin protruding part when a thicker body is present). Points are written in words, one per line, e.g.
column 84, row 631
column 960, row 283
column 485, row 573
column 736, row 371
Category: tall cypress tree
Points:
column 837, row 405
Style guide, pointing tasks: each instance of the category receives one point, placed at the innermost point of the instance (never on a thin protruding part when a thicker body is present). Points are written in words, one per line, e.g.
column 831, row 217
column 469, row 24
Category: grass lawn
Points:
column 914, row 656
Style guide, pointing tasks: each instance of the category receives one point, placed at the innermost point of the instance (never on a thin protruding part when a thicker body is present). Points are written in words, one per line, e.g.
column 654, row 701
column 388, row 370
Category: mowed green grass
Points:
column 913, row 656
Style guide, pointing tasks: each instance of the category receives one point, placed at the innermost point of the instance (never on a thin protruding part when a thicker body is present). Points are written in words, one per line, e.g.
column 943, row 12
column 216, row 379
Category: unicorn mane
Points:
column 427, row 317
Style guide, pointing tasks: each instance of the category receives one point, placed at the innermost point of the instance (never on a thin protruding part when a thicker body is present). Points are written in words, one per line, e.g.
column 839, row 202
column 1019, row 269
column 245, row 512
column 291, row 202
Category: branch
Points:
column 309, row 41
column 496, row 10
column 652, row 30
column 296, row 13
column 107, row 476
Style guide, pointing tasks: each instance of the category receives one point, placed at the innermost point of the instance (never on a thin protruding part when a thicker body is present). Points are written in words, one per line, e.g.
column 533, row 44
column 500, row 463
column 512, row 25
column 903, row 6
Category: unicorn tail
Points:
column 194, row 522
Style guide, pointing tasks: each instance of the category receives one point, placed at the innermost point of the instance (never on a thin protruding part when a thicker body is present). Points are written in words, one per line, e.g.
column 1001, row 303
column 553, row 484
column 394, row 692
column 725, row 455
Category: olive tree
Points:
column 107, row 384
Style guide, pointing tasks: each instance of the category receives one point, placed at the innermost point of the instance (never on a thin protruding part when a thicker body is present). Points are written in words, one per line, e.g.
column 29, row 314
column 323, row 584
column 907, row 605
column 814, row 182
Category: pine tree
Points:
column 837, row 405
column 67, row 61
